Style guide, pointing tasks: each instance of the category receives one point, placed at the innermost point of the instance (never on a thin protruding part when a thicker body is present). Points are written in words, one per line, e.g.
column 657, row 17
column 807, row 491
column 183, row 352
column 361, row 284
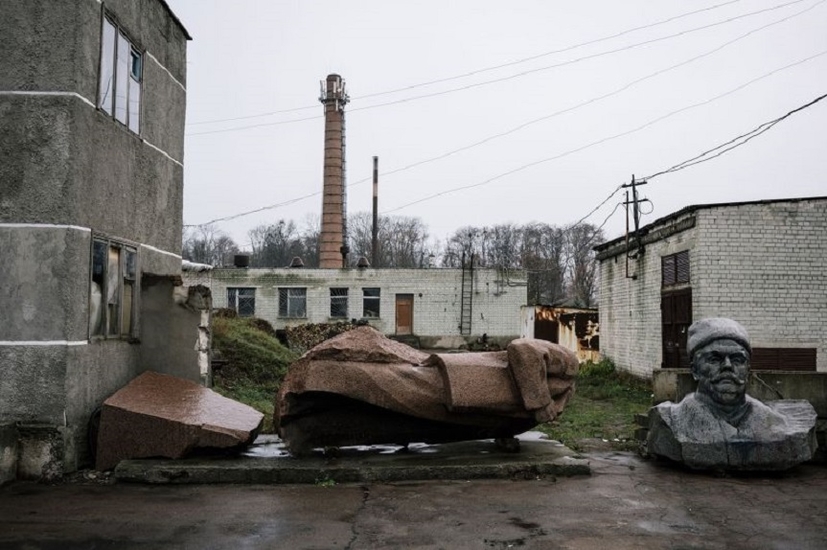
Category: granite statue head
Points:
column 720, row 352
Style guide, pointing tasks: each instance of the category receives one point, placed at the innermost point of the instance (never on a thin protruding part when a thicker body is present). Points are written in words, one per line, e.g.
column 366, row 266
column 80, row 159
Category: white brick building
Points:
column 761, row 263
column 442, row 307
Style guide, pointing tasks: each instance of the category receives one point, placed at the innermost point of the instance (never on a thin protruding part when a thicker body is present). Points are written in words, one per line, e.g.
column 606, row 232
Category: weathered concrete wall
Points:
column 70, row 171
column 762, row 264
column 436, row 294
column 171, row 316
column 45, row 289
column 50, row 45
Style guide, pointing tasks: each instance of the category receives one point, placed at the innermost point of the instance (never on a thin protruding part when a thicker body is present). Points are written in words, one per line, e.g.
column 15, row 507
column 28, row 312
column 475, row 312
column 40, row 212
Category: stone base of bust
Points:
column 776, row 435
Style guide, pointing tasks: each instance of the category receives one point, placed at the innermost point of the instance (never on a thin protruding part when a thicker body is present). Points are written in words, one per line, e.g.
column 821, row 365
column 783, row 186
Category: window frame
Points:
column 367, row 313
column 289, row 295
column 128, row 276
column 132, row 82
column 235, row 305
column 339, row 300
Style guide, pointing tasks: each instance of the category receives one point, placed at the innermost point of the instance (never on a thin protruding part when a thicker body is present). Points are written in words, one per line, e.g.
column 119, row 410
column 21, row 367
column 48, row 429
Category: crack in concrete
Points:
column 353, row 527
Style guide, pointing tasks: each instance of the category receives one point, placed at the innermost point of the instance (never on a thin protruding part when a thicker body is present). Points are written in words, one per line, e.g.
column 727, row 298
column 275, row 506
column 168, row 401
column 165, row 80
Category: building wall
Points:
column 765, row 265
column 70, row 171
column 436, row 294
column 762, row 264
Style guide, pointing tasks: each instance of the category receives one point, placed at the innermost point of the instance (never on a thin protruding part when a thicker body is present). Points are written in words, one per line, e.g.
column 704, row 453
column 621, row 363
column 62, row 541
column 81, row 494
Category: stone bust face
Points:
column 721, row 368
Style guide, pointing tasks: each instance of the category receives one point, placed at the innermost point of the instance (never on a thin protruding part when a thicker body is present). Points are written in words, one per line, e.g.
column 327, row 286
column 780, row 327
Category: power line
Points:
column 592, row 100
column 572, row 61
column 526, row 166
column 479, row 71
column 600, row 141
column 734, row 143
column 516, row 75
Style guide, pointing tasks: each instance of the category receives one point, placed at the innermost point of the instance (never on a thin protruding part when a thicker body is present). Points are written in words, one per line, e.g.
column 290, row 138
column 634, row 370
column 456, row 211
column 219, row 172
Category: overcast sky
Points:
column 535, row 110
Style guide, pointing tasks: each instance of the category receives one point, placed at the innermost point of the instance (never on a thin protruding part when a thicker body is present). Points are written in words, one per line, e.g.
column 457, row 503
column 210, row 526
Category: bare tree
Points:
column 543, row 259
column 582, row 264
column 401, row 241
column 207, row 245
column 275, row 245
column 501, row 246
column 464, row 244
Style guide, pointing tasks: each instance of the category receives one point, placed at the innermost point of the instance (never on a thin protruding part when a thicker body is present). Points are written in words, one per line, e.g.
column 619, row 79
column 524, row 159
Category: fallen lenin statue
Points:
column 361, row 388
column 720, row 427
column 157, row 415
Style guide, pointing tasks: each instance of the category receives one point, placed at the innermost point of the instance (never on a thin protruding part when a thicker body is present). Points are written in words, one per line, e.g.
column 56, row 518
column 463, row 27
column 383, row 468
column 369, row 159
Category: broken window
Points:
column 113, row 289
column 370, row 302
column 292, row 302
column 675, row 269
column 242, row 301
column 338, row 302
column 121, row 74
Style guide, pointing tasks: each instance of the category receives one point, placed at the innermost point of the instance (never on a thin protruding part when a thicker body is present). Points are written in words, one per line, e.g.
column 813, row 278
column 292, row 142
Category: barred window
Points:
column 292, row 302
column 242, row 300
column 675, row 269
column 338, row 302
column 370, row 302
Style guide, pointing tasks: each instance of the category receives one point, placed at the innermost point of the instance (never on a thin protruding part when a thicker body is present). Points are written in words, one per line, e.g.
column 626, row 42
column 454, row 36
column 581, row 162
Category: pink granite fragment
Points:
column 158, row 415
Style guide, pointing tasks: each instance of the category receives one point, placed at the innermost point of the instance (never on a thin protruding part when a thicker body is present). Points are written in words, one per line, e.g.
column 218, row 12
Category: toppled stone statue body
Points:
column 719, row 427
column 360, row 388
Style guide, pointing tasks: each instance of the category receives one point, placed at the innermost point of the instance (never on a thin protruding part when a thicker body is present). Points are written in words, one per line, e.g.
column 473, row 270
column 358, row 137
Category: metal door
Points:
column 676, row 316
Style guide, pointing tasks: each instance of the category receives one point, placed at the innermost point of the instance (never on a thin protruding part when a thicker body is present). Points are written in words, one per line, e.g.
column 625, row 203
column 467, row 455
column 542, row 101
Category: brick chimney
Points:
column 333, row 236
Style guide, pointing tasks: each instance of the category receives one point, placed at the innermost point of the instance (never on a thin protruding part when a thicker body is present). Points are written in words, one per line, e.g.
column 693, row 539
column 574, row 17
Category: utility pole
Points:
column 635, row 202
column 374, row 246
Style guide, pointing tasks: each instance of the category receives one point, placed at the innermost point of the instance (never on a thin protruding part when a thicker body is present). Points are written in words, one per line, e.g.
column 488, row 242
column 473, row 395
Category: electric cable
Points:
column 734, row 143
column 587, row 102
column 478, row 71
column 604, row 140
column 509, row 77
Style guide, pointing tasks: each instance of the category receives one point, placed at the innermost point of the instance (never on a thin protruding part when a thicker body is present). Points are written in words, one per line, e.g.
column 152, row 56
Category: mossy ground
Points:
column 252, row 363
column 601, row 413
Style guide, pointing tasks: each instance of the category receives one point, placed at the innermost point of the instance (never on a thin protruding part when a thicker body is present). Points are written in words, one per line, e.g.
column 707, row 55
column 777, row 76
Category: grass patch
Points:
column 604, row 404
column 252, row 363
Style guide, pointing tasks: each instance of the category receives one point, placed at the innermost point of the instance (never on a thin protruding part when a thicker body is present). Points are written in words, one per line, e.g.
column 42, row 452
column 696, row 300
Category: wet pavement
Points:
column 268, row 461
column 626, row 503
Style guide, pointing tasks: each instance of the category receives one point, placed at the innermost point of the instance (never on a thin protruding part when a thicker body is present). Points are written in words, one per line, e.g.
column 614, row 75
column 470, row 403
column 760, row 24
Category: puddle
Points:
column 270, row 446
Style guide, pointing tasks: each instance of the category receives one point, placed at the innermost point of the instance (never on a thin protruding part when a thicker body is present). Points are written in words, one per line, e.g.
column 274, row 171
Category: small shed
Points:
column 577, row 329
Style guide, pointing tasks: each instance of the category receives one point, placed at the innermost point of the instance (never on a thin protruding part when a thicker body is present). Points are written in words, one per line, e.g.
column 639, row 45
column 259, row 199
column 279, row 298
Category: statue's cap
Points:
column 710, row 329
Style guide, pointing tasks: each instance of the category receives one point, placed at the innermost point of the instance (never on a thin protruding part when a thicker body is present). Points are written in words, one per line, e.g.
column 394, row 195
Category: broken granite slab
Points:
column 158, row 415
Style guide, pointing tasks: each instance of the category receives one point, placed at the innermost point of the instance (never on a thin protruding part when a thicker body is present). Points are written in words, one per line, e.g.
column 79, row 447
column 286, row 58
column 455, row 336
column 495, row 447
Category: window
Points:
column 370, row 302
column 338, row 302
column 113, row 289
column 675, row 269
column 242, row 300
column 121, row 73
column 292, row 302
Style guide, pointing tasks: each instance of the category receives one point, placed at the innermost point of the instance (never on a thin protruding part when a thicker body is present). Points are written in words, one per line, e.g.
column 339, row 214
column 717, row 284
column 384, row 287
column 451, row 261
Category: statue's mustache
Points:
column 730, row 378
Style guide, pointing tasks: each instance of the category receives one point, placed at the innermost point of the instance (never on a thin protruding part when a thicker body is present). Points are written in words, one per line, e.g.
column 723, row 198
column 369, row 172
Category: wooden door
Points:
column 676, row 316
column 404, row 314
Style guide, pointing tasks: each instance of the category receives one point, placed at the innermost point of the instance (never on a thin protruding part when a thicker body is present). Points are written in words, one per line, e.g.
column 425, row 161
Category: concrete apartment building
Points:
column 762, row 263
column 92, row 103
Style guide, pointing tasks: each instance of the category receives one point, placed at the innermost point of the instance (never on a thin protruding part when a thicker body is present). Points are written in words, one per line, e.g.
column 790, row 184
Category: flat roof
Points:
column 695, row 207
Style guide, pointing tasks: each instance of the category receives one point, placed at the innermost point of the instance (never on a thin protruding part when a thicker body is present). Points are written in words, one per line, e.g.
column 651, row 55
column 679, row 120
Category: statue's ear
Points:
column 694, row 369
